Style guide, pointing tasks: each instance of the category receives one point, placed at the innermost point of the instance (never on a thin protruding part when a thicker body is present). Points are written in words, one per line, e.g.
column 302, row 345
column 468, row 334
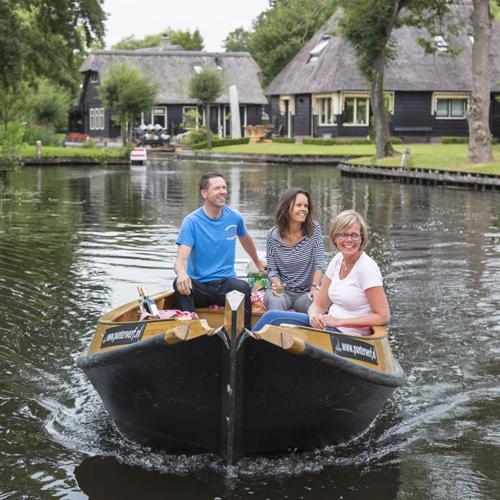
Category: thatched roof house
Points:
column 172, row 68
column 321, row 91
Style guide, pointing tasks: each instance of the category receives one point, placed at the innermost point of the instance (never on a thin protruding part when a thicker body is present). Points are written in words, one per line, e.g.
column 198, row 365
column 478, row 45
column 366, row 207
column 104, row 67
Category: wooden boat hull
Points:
column 191, row 388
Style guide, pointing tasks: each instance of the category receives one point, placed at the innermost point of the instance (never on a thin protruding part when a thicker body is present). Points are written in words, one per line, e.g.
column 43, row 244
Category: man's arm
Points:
column 184, row 285
column 249, row 247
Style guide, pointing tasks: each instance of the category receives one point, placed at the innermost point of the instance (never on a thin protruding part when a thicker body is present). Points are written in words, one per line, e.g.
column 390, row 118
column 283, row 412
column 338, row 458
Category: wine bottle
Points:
column 147, row 304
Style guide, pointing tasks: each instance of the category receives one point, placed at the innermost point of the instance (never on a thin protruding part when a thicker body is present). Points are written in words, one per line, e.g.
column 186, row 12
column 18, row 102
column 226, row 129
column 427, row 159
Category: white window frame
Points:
column 325, row 107
column 441, row 44
column 159, row 111
column 450, row 97
column 96, row 118
column 185, row 110
column 316, row 51
column 357, row 97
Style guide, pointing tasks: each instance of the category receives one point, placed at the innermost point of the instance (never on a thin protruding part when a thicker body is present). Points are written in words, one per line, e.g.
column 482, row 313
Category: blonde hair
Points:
column 345, row 220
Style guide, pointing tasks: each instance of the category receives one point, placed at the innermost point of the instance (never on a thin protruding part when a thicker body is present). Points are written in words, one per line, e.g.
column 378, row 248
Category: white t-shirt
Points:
column 347, row 296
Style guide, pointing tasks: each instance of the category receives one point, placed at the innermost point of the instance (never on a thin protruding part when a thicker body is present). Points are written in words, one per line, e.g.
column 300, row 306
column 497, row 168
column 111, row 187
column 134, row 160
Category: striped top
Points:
column 295, row 264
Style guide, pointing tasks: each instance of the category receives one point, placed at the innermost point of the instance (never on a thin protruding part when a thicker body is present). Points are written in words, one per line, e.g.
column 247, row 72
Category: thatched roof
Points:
column 172, row 69
column 412, row 69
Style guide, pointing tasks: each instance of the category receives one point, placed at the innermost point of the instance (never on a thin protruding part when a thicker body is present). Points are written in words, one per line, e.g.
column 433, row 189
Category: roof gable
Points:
column 412, row 69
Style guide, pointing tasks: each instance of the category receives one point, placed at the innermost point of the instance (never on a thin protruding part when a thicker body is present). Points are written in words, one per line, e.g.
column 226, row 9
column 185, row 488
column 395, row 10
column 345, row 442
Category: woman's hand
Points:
column 313, row 293
column 317, row 320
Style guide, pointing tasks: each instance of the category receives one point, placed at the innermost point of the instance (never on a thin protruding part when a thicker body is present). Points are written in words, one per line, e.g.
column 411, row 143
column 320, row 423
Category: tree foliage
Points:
column 237, row 41
column 368, row 26
column 128, row 94
column 282, row 30
column 132, row 43
column 185, row 39
column 50, row 104
column 206, row 86
column 54, row 35
column 43, row 38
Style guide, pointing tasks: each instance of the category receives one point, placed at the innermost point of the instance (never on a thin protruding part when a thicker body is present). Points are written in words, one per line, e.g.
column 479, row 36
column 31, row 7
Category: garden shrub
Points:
column 284, row 140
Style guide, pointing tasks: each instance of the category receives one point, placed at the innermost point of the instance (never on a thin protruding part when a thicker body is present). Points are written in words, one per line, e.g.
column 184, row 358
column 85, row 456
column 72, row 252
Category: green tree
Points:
column 128, row 94
column 132, row 43
column 12, row 51
column 237, row 41
column 43, row 38
column 206, row 86
column 50, row 105
column 281, row 31
column 185, row 39
column 368, row 25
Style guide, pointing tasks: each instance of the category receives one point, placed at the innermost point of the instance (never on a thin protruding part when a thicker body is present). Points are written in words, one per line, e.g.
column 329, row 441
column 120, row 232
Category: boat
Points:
column 208, row 385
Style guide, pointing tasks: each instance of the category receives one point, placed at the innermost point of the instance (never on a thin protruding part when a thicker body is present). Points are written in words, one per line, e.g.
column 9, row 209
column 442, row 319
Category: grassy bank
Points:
column 438, row 156
column 29, row 152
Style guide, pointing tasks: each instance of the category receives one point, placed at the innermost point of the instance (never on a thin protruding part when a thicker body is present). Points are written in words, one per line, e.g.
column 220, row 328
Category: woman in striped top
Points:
column 295, row 254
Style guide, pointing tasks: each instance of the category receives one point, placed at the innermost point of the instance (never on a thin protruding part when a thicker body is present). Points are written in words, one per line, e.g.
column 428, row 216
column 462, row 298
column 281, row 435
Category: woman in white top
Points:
column 351, row 297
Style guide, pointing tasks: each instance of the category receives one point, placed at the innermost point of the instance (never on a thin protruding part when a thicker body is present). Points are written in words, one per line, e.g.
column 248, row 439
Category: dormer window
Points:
column 316, row 51
column 440, row 43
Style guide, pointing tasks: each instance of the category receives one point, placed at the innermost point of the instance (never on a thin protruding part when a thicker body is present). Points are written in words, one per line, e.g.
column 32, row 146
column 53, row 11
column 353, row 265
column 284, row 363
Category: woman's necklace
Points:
column 346, row 268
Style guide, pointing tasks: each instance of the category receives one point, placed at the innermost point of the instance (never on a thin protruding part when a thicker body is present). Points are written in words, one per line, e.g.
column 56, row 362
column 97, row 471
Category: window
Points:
column 159, row 117
column 325, row 112
column 316, row 51
column 190, row 117
column 450, row 105
column 451, row 108
column 96, row 118
column 440, row 43
column 197, row 68
column 94, row 77
column 356, row 110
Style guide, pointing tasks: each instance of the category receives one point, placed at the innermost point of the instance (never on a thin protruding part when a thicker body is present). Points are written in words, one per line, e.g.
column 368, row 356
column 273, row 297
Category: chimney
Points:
column 165, row 43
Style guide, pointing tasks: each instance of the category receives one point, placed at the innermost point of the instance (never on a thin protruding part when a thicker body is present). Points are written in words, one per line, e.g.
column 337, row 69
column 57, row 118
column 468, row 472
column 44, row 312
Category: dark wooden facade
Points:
column 172, row 69
column 418, row 86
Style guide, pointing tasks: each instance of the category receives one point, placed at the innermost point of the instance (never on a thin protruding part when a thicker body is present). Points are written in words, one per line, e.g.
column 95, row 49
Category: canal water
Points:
column 75, row 242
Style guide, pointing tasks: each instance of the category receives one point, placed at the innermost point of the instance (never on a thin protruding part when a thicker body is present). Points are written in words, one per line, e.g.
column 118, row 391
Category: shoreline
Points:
column 415, row 175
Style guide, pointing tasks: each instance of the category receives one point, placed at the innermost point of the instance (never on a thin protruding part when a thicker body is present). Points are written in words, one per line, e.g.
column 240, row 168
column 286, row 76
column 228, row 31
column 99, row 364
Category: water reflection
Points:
column 76, row 241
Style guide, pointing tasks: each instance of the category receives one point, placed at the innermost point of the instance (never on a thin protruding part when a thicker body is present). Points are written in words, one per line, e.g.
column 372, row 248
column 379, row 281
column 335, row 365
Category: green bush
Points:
column 196, row 136
column 319, row 141
column 454, row 140
column 33, row 133
column 462, row 140
column 284, row 140
column 216, row 142
column 13, row 136
column 396, row 140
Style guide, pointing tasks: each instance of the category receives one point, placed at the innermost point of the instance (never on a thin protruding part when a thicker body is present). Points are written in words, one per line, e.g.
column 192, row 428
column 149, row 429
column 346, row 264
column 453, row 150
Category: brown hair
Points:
column 205, row 179
column 345, row 220
column 287, row 201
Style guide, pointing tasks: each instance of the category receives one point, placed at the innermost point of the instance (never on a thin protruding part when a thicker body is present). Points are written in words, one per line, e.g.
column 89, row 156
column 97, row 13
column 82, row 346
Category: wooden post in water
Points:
column 38, row 154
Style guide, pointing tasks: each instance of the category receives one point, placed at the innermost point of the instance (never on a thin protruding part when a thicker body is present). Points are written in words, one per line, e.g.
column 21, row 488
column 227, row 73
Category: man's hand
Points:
column 184, row 285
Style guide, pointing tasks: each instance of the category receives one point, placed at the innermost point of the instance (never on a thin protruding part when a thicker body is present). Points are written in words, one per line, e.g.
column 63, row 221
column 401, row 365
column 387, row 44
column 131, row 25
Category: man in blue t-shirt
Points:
column 206, row 251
